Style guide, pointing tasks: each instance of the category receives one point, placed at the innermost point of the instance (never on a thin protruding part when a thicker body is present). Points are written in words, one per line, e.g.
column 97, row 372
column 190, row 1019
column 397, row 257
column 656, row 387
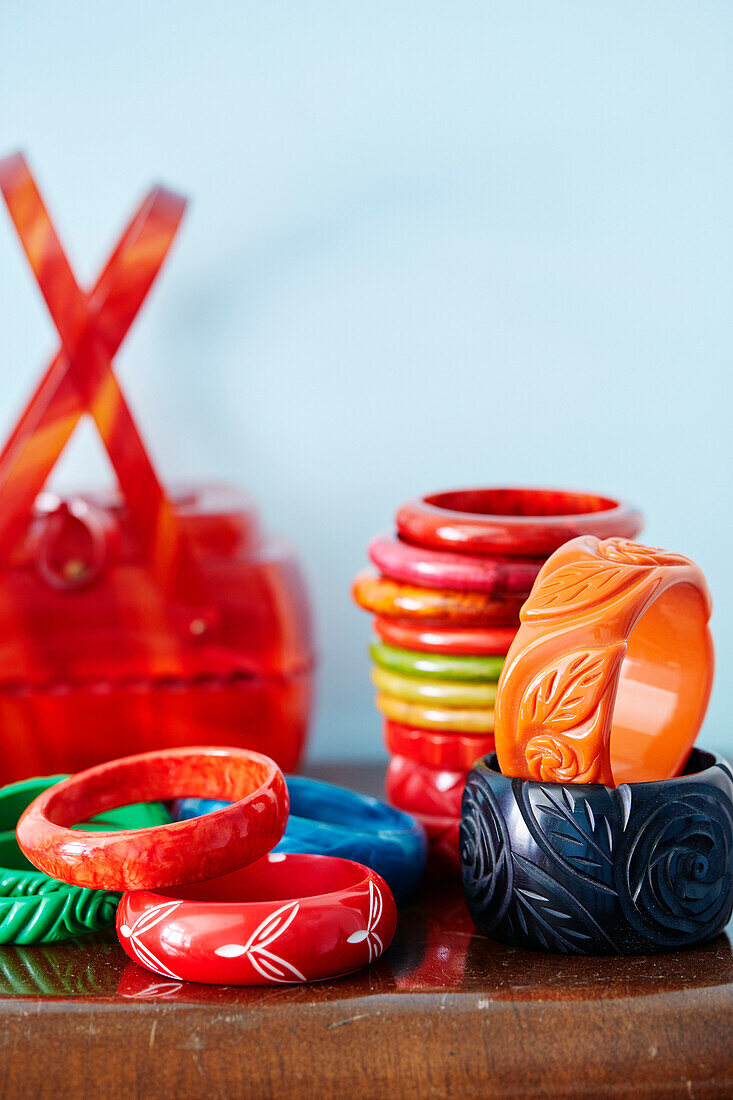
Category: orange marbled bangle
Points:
column 439, row 606
column 609, row 676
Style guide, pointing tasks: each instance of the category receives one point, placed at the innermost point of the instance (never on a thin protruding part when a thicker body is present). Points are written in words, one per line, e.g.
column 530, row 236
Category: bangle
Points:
column 443, row 693
column 512, row 521
column 432, row 605
column 451, row 751
column 588, row 869
column 401, row 561
column 426, row 716
column 57, row 970
column 329, row 820
column 339, row 917
column 486, row 641
column 183, row 851
column 443, row 847
column 433, row 666
column 563, row 712
column 419, row 789
column 37, row 909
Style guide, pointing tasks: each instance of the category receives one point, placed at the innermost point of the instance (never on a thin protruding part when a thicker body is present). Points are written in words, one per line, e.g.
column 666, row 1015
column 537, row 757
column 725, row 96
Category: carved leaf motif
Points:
column 581, row 837
column 578, row 585
column 570, row 690
column 634, row 553
column 550, row 915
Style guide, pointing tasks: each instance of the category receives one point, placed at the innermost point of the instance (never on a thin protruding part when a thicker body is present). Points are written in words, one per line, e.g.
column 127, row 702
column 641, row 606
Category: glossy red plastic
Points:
column 485, row 641
column 448, row 751
column 443, row 842
column 181, row 852
column 138, row 619
column 287, row 918
column 401, row 561
column 512, row 521
column 424, row 790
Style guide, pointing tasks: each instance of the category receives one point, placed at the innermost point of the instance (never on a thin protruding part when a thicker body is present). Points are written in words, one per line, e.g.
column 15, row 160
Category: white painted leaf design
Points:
column 230, row 950
column 272, row 926
column 359, row 936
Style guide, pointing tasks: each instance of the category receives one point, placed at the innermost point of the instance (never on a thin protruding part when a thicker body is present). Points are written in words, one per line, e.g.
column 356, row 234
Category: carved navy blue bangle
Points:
column 594, row 870
column 329, row 820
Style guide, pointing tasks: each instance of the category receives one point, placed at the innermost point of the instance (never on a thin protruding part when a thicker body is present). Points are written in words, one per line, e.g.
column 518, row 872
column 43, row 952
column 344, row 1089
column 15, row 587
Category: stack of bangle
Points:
column 446, row 593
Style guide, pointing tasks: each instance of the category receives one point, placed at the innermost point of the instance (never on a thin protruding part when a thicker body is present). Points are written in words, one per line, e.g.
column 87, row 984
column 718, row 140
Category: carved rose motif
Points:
column 486, row 857
column 553, row 760
column 567, row 698
column 675, row 873
column 633, row 553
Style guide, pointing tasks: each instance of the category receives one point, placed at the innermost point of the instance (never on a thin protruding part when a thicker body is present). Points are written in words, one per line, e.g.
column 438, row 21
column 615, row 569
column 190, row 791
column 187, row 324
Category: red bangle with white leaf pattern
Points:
column 305, row 917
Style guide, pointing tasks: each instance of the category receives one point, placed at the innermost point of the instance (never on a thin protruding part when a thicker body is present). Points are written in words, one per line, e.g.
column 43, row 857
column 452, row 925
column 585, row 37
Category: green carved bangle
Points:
column 37, row 909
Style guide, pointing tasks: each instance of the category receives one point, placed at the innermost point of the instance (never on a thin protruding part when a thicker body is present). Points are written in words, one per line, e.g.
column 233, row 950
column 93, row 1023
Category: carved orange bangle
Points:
column 440, row 606
column 609, row 676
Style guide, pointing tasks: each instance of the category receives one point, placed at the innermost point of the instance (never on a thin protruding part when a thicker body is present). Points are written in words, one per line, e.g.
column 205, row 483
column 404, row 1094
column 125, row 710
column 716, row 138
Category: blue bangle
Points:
column 590, row 870
column 329, row 820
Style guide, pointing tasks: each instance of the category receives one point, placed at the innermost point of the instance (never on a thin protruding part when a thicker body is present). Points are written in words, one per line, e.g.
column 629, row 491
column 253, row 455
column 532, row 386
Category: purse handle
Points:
column 80, row 379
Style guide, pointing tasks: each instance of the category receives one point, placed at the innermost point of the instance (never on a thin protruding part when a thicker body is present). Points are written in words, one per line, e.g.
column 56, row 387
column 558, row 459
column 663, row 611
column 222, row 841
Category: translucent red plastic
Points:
column 140, row 618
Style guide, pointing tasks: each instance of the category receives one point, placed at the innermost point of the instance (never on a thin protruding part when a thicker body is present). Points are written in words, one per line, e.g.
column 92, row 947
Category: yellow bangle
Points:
column 426, row 716
column 443, row 692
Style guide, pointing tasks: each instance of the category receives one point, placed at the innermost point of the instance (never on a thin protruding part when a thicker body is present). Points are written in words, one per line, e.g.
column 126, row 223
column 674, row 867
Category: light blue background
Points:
column 432, row 245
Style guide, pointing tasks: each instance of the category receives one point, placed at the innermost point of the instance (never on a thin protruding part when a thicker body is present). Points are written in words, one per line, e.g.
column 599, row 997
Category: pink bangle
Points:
column 439, row 569
column 183, row 851
column 307, row 917
column 479, row 642
column 423, row 790
column 512, row 521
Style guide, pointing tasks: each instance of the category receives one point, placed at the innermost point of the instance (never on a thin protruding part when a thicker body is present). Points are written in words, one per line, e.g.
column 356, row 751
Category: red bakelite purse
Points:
column 138, row 619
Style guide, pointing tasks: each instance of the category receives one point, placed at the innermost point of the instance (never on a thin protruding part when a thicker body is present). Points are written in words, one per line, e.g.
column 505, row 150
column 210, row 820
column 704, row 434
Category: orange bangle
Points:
column 440, row 606
column 609, row 676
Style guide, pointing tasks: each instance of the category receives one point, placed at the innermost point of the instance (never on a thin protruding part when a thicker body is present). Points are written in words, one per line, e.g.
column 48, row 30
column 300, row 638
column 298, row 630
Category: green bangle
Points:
column 435, row 666
column 441, row 693
column 37, row 909
column 55, row 971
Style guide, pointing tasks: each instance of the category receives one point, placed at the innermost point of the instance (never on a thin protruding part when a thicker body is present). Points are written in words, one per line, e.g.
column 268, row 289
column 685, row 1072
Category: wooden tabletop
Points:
column 444, row 1013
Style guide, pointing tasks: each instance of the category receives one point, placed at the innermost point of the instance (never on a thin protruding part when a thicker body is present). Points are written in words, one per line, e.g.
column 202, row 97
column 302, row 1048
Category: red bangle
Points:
column 436, row 569
column 443, row 841
column 512, row 521
column 433, row 605
column 307, row 917
column 423, row 790
column 478, row 642
column 184, row 851
column 452, row 751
